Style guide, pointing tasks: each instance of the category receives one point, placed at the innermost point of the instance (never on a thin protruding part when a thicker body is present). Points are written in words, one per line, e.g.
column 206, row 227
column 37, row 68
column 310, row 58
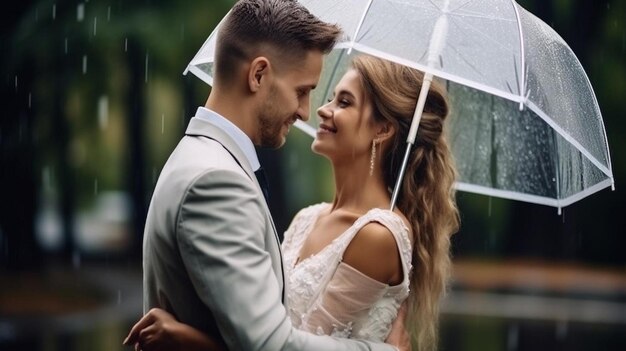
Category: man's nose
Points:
column 303, row 111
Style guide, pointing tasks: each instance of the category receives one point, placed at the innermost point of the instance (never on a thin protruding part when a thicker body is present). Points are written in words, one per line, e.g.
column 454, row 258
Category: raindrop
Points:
column 163, row 123
column 66, row 45
column 489, row 208
column 512, row 337
column 80, row 12
column 103, row 111
column 84, row 64
column 45, row 177
column 561, row 329
column 95, row 186
column 15, row 82
column 109, row 14
column 36, row 14
column 147, row 57
column 95, row 25
column 608, row 5
column 30, row 100
column 119, row 297
column 76, row 259
column 54, row 11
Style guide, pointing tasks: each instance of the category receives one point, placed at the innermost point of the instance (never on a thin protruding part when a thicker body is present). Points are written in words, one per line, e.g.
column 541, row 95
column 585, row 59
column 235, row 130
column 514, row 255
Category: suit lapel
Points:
column 198, row 127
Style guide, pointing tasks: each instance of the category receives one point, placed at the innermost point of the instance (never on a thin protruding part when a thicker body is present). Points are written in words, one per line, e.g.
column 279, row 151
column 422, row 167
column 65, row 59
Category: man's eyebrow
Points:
column 310, row 86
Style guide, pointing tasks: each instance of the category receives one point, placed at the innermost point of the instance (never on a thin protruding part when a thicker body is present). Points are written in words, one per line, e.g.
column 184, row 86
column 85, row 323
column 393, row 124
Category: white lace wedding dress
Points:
column 327, row 296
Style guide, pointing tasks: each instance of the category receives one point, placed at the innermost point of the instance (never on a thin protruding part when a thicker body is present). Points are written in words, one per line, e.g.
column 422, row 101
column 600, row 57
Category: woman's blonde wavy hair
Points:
column 426, row 197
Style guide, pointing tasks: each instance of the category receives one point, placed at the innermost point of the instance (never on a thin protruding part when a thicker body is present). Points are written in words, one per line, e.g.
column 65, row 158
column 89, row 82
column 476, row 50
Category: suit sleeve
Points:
column 220, row 233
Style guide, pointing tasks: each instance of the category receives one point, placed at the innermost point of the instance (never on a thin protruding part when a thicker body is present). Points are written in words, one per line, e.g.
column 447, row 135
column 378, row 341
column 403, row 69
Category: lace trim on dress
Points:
column 313, row 299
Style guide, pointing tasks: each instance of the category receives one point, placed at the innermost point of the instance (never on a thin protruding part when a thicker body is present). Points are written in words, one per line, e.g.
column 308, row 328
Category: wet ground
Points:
column 492, row 306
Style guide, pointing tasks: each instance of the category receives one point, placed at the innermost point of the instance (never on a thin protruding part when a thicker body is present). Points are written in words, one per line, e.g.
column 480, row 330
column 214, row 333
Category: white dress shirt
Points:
column 241, row 139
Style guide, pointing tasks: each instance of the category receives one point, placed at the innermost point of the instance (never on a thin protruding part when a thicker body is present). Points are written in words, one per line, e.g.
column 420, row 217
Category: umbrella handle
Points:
column 410, row 140
column 419, row 108
column 396, row 189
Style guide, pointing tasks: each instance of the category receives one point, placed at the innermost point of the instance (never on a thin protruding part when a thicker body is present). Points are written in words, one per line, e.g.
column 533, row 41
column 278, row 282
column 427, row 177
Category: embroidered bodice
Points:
column 327, row 296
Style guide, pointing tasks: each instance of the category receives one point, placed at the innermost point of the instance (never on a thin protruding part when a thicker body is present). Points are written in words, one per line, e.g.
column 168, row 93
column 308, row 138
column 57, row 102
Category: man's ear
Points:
column 258, row 72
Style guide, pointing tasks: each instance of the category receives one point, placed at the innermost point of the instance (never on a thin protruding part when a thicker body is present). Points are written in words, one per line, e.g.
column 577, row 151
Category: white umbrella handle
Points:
column 417, row 117
column 437, row 41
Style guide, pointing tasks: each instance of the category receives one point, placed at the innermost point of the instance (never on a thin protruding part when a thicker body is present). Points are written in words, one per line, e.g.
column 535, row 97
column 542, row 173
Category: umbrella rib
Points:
column 466, row 61
column 474, row 15
column 461, row 6
column 569, row 138
column 358, row 28
column 522, row 86
column 434, row 5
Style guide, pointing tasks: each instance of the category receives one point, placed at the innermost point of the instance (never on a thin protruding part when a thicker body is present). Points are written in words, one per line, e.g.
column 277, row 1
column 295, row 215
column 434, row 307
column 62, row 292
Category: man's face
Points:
column 288, row 99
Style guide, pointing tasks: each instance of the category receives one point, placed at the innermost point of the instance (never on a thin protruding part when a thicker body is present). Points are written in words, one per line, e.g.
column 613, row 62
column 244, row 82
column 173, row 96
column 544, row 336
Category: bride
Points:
column 351, row 264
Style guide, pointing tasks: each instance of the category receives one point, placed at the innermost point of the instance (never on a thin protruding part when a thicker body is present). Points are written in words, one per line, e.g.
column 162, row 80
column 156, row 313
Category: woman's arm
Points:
column 160, row 331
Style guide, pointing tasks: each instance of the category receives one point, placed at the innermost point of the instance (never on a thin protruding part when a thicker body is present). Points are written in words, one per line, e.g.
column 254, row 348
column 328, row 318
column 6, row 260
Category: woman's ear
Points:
column 258, row 72
column 385, row 131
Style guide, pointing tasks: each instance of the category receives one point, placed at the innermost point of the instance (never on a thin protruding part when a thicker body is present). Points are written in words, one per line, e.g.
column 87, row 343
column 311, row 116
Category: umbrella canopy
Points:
column 525, row 122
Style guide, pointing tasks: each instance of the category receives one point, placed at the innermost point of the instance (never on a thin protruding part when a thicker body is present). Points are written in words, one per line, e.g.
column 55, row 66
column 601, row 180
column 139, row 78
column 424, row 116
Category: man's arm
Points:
column 221, row 237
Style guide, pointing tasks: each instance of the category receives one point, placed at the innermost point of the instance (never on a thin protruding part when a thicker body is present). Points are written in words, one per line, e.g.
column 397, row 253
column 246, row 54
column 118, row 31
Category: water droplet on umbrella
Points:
column 80, row 12
column 84, row 64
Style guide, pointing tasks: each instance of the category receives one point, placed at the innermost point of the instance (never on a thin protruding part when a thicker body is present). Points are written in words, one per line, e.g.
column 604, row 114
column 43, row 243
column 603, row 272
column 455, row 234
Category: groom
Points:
column 211, row 254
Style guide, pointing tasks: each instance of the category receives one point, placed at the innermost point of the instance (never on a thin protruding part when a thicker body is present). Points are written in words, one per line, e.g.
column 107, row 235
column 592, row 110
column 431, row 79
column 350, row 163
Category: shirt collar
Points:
column 240, row 138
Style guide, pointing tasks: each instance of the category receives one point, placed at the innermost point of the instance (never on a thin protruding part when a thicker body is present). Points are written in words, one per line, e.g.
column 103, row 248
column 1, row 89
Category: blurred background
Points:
column 93, row 101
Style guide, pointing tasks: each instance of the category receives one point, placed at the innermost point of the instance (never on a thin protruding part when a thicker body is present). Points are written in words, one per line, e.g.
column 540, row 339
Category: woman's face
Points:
column 346, row 127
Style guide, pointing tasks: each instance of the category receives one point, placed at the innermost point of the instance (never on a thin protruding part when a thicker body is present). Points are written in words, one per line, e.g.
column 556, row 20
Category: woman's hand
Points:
column 160, row 331
column 398, row 336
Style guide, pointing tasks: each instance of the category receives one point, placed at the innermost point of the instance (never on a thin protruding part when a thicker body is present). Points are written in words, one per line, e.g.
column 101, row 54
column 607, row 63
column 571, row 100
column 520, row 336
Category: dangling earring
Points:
column 372, row 157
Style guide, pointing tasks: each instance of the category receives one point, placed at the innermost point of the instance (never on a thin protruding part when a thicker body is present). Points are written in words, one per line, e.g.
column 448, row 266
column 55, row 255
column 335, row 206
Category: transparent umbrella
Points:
column 525, row 122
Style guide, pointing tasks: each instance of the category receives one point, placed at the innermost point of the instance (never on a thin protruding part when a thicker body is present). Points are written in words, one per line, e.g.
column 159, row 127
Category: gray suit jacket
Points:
column 211, row 253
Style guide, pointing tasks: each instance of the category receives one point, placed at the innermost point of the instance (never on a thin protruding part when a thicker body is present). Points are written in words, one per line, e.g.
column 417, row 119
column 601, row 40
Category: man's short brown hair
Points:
column 286, row 27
